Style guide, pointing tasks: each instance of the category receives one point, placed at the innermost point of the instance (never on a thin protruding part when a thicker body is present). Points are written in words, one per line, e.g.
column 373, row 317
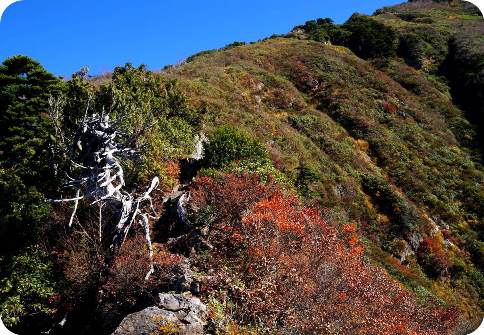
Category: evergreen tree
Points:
column 25, row 140
column 370, row 38
column 25, row 88
column 27, row 286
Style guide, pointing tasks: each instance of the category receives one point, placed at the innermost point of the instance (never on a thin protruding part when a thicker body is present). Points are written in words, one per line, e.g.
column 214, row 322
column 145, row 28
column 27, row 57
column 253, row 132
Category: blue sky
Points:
column 66, row 35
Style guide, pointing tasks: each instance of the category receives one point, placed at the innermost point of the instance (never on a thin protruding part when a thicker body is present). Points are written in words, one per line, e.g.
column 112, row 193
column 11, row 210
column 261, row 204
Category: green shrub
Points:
column 234, row 44
column 324, row 30
column 411, row 48
column 229, row 144
column 22, row 211
column 151, row 109
column 77, row 94
column 391, row 203
column 305, row 176
column 263, row 167
column 370, row 38
column 28, row 291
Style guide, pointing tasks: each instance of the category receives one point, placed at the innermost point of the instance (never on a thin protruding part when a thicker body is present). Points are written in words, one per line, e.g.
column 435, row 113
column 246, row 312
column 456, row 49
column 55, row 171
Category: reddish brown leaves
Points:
column 299, row 273
column 279, row 209
column 128, row 271
column 231, row 194
column 433, row 257
column 390, row 108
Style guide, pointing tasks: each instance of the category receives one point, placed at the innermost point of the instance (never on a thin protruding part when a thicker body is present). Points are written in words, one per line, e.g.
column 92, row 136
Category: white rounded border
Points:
column 479, row 4
column 4, row 4
column 4, row 330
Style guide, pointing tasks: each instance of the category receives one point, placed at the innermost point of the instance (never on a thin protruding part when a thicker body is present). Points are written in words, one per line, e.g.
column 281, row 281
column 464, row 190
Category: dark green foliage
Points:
column 464, row 68
column 23, row 208
column 25, row 146
column 28, row 291
column 475, row 246
column 391, row 203
column 234, row 44
column 324, row 30
column 414, row 17
column 370, row 38
column 411, row 49
column 366, row 37
column 25, row 88
column 176, row 105
column 229, row 144
column 305, row 176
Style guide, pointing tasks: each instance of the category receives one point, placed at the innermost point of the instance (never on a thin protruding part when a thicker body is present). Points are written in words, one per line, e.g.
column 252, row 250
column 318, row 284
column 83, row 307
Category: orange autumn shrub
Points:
column 273, row 209
column 290, row 271
column 433, row 257
column 173, row 170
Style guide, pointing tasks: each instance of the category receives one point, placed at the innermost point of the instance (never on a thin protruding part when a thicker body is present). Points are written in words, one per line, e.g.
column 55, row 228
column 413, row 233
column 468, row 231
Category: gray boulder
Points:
column 174, row 313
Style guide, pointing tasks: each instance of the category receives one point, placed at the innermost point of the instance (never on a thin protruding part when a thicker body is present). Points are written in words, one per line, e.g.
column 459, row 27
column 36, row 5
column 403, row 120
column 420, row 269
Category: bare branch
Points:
column 98, row 147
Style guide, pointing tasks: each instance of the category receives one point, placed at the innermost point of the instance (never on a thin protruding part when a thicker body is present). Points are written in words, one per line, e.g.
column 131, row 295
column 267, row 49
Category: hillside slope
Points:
column 328, row 181
column 386, row 148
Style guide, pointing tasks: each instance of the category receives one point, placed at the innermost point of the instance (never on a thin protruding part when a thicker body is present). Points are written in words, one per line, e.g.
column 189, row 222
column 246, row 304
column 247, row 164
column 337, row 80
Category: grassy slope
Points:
column 435, row 23
column 451, row 41
column 321, row 107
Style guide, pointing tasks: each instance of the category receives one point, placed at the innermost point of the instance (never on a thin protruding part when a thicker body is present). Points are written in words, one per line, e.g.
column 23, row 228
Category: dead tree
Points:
column 96, row 152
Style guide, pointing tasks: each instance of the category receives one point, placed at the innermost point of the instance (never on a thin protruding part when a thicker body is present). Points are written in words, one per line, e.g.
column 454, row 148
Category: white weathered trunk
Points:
column 101, row 179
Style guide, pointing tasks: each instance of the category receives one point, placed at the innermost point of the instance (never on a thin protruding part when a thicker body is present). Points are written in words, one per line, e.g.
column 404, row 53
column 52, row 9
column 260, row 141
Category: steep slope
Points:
column 445, row 39
column 369, row 150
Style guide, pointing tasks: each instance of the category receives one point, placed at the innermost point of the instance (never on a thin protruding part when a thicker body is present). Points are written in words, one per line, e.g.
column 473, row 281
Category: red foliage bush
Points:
column 390, row 108
column 433, row 257
column 230, row 195
column 126, row 280
column 273, row 209
column 173, row 170
column 299, row 274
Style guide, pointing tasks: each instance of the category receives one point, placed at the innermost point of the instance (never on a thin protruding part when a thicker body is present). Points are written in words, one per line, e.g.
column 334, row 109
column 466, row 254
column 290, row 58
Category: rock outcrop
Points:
column 174, row 313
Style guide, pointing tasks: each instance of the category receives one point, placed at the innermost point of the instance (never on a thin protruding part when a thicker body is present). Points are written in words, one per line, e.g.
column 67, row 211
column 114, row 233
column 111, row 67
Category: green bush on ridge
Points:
column 229, row 144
